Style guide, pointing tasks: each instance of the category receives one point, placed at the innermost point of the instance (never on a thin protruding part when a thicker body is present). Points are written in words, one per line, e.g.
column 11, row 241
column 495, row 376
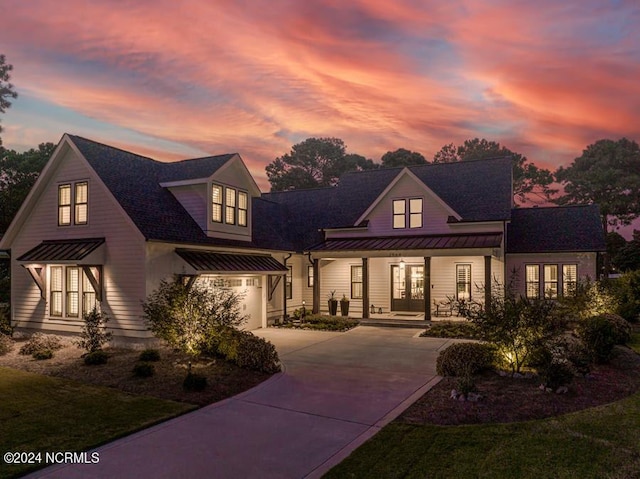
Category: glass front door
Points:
column 407, row 287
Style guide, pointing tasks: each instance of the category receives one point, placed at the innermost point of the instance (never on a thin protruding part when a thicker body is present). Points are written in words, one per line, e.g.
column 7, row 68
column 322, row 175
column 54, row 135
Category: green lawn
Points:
column 602, row 442
column 47, row 414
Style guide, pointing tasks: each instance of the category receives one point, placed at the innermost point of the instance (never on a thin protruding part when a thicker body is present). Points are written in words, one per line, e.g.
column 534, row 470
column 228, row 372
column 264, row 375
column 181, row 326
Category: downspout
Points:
column 284, row 289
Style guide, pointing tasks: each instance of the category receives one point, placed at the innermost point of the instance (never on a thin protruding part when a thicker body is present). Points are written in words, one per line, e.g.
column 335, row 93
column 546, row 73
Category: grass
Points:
column 594, row 443
column 48, row 414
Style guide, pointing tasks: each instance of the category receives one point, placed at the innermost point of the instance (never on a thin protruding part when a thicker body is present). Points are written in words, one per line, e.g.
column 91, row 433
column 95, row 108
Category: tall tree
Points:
column 402, row 157
column 530, row 183
column 315, row 162
column 18, row 173
column 608, row 174
column 6, row 89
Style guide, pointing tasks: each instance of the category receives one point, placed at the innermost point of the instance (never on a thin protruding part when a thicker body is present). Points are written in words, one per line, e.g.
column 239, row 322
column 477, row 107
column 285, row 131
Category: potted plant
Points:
column 333, row 304
column 344, row 306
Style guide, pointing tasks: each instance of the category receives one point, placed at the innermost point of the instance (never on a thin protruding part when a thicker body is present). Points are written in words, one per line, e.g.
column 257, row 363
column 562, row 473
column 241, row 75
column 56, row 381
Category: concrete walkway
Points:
column 337, row 390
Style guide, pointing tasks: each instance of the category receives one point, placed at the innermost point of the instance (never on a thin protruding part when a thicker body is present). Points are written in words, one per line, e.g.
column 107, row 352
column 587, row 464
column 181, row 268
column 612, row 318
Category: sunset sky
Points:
column 184, row 79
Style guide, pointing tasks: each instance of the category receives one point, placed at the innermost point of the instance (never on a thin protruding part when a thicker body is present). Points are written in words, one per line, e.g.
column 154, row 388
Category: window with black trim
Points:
column 532, row 281
column 310, row 276
column 463, row 282
column 230, row 206
column 81, row 202
column 289, row 282
column 551, row 281
column 356, row 282
column 415, row 213
column 569, row 279
column 216, row 203
column 70, row 292
column 243, row 207
column 407, row 213
column 399, row 214
column 64, row 205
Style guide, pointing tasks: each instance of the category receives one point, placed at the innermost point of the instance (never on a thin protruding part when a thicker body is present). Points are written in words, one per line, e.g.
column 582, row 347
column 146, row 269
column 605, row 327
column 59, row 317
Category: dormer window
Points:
column 216, row 204
column 407, row 212
column 80, row 200
column 229, row 206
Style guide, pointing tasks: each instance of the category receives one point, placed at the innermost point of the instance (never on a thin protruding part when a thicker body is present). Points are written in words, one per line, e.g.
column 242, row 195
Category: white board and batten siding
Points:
column 123, row 284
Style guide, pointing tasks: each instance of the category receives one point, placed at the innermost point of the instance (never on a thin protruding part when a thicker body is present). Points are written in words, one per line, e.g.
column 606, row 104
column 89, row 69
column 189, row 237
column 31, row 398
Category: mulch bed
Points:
column 507, row 399
column 223, row 378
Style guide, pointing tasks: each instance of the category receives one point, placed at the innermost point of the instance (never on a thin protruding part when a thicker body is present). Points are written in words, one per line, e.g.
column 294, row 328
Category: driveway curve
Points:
column 335, row 392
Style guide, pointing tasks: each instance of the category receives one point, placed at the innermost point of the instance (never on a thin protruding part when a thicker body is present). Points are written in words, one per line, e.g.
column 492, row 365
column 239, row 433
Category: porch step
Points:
column 396, row 323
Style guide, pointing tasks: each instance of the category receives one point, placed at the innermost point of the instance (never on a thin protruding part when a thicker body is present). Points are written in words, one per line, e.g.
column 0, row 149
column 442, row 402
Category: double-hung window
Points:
column 463, row 282
column 73, row 203
column 310, row 276
column 532, row 281
column 569, row 279
column 289, row 283
column 550, row 281
column 216, row 204
column 243, row 207
column 356, row 282
column 399, row 214
column 230, row 206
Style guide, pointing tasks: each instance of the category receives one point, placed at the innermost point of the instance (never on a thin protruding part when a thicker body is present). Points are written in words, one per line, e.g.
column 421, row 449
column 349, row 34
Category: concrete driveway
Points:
column 337, row 390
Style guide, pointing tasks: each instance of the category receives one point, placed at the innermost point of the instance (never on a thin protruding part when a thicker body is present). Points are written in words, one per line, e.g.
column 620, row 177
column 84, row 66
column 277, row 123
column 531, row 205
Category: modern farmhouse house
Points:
column 102, row 227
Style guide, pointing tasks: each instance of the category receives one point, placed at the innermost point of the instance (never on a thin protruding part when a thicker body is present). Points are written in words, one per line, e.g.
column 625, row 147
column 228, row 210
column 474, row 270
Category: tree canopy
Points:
column 402, row 157
column 530, row 183
column 315, row 162
column 18, row 173
column 608, row 174
column 6, row 89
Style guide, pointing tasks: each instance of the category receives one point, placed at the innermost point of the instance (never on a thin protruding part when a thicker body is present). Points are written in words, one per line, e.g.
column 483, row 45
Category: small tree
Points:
column 189, row 317
column 94, row 335
column 515, row 324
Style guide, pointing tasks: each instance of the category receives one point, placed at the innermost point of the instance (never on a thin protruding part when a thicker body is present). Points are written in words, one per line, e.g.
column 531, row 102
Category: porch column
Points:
column 427, row 288
column 365, row 288
column 487, row 282
column 316, row 286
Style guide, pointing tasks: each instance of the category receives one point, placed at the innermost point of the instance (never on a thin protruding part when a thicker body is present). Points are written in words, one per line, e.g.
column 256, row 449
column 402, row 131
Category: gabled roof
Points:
column 478, row 190
column 555, row 229
column 134, row 181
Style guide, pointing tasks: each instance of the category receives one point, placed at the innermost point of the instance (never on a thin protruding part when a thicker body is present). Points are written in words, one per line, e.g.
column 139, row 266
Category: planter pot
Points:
column 344, row 308
column 333, row 307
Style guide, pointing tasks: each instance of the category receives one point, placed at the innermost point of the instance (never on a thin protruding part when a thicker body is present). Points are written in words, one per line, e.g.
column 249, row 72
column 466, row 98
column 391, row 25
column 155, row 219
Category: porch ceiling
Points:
column 213, row 262
column 62, row 250
column 426, row 242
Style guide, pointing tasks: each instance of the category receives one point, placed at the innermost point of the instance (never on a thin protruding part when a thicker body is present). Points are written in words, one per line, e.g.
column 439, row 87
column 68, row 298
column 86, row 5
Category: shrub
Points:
column 42, row 354
column 194, row 382
column 627, row 292
column 144, row 369
column 453, row 329
column 40, row 342
column 6, row 344
column 149, row 355
column 599, row 336
column 621, row 328
column 325, row 323
column 552, row 364
column 516, row 325
column 590, row 298
column 462, row 359
column 189, row 317
column 96, row 357
column 93, row 335
column 246, row 350
column 5, row 320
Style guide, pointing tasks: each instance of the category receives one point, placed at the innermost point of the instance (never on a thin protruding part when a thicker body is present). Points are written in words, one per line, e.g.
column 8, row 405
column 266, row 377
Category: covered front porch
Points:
column 404, row 279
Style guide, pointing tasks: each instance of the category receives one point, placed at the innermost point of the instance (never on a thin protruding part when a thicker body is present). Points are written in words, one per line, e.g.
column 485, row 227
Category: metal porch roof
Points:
column 389, row 243
column 61, row 250
column 210, row 261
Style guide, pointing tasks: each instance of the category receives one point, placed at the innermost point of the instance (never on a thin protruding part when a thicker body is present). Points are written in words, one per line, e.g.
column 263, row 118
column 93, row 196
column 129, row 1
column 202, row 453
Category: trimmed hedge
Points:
column 149, row 355
column 463, row 359
column 246, row 350
column 323, row 323
column 96, row 357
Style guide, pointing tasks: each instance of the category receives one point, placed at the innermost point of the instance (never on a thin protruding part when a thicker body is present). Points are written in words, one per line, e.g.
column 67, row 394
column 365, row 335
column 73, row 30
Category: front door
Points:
column 407, row 287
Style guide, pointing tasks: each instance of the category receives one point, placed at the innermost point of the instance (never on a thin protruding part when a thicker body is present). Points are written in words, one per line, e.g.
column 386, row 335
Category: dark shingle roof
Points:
column 134, row 181
column 555, row 229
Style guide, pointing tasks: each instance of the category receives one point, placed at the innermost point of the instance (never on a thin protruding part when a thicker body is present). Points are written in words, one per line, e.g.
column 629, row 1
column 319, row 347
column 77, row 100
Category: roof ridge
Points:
column 72, row 136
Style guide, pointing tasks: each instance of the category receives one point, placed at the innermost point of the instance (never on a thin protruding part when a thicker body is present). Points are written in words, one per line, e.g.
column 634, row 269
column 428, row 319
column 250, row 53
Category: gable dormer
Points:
column 217, row 193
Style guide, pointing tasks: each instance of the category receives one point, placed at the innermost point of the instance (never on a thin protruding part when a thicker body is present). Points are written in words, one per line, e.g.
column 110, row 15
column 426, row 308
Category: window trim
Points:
column 219, row 204
column 230, row 213
column 414, row 214
column 565, row 283
column 402, row 216
column 467, row 284
column 536, row 282
column 65, row 294
column 77, row 204
column 288, row 282
column 310, row 276
column 64, row 206
column 355, row 282
column 551, row 282
column 243, row 213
